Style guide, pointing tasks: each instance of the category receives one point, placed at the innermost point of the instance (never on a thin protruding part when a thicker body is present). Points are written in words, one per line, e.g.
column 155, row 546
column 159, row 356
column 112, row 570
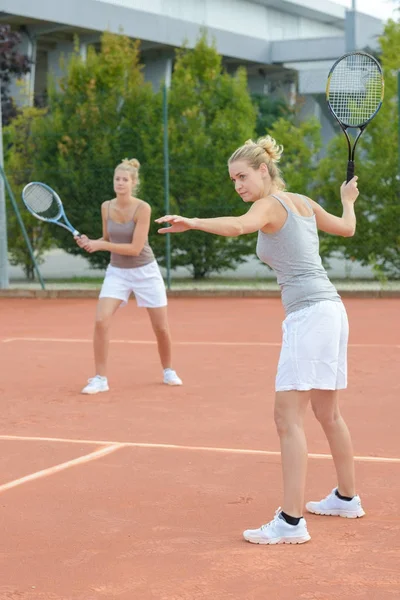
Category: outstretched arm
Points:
column 256, row 218
column 346, row 224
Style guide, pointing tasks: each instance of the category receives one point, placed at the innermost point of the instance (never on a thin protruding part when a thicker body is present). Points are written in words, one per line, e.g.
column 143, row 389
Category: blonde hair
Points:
column 132, row 166
column 264, row 151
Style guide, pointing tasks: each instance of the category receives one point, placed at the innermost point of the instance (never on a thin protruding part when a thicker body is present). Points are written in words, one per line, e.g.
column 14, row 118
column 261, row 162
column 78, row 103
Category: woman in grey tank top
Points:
column 313, row 361
column 132, row 269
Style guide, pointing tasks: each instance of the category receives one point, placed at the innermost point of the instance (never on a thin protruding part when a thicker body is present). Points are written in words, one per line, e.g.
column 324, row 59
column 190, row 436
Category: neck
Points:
column 123, row 199
column 270, row 189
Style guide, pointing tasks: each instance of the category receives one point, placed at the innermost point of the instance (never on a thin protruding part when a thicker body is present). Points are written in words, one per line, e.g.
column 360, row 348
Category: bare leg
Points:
column 290, row 408
column 325, row 406
column 159, row 322
column 106, row 307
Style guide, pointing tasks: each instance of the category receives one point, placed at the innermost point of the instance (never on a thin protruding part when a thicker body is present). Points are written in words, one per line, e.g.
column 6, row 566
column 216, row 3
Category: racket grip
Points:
column 350, row 170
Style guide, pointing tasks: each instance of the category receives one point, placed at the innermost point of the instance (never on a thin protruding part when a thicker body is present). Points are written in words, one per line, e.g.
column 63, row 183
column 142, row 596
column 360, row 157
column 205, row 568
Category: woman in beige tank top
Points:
column 132, row 269
column 313, row 360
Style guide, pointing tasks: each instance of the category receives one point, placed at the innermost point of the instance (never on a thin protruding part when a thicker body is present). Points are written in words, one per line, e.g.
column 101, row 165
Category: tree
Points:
column 269, row 109
column 12, row 64
column 377, row 239
column 302, row 143
column 20, row 156
column 211, row 114
column 98, row 114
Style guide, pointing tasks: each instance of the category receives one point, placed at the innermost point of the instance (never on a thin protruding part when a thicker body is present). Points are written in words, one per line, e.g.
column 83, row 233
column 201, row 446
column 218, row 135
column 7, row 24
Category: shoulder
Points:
column 297, row 195
column 105, row 205
column 314, row 205
column 264, row 203
column 283, row 196
column 143, row 208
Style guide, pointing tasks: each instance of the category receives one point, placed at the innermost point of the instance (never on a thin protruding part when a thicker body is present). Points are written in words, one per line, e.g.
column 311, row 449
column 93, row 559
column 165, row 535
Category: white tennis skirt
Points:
column 314, row 349
column 146, row 283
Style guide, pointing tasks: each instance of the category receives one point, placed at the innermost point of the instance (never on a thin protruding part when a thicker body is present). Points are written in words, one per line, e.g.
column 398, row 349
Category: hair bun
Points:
column 269, row 145
column 264, row 151
column 132, row 162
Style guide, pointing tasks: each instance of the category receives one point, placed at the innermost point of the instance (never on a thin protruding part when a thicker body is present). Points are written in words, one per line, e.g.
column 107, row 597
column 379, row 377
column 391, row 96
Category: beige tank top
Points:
column 122, row 233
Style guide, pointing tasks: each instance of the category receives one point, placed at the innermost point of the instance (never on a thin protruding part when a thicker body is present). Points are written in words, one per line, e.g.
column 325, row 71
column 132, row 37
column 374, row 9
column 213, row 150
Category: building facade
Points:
column 287, row 46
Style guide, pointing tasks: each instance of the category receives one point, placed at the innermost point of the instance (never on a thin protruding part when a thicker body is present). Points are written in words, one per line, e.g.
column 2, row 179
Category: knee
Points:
column 102, row 323
column 327, row 418
column 161, row 330
column 283, row 423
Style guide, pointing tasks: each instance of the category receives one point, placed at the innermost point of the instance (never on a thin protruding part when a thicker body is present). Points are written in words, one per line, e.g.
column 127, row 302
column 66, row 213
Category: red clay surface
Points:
column 161, row 516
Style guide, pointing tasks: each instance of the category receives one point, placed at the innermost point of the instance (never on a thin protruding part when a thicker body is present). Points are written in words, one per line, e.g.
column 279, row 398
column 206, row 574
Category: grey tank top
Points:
column 293, row 254
column 122, row 233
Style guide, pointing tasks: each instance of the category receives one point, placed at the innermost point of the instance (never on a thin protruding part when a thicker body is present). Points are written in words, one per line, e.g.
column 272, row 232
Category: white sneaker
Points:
column 278, row 531
column 334, row 506
column 95, row 385
column 171, row 378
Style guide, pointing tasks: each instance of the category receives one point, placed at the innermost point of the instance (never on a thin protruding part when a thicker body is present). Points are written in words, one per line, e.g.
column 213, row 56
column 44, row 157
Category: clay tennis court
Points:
column 142, row 493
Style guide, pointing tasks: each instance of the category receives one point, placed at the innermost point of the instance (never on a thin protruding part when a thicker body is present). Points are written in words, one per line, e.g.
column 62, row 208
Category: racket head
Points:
column 42, row 201
column 355, row 89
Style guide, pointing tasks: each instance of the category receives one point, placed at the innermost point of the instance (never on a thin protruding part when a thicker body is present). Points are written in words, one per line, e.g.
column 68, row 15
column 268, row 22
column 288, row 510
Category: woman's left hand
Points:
column 81, row 240
column 349, row 191
column 177, row 223
column 92, row 246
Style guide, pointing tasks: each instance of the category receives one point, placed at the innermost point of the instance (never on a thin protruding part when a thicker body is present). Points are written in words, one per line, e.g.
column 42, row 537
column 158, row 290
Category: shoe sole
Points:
column 274, row 541
column 338, row 513
column 171, row 383
column 91, row 393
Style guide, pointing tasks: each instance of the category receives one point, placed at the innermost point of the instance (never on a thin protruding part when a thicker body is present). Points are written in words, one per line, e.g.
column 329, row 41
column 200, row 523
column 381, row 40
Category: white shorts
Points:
column 146, row 283
column 314, row 349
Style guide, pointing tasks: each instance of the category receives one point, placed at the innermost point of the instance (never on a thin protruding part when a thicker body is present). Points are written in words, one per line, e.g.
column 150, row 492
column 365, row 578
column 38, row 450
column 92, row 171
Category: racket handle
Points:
column 350, row 170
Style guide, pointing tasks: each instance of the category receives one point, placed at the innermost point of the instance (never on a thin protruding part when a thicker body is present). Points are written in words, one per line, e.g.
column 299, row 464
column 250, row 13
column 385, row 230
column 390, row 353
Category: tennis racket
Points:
column 354, row 93
column 45, row 204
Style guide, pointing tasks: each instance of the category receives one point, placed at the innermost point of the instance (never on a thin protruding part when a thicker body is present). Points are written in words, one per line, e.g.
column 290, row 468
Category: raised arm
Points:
column 346, row 224
column 256, row 218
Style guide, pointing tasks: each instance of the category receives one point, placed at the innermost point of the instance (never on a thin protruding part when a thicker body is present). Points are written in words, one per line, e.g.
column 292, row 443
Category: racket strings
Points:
column 42, row 202
column 355, row 89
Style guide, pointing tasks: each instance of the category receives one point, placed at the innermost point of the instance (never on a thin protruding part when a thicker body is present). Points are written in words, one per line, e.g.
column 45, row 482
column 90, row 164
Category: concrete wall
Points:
column 59, row 265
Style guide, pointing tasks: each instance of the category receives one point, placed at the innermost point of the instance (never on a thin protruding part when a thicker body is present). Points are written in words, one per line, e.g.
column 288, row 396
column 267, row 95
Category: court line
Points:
column 191, row 343
column 139, row 342
column 61, row 467
column 378, row 459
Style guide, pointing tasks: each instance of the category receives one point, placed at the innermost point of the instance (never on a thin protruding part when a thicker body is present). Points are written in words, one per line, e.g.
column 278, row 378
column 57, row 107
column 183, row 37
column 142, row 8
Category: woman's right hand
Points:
column 177, row 224
column 349, row 191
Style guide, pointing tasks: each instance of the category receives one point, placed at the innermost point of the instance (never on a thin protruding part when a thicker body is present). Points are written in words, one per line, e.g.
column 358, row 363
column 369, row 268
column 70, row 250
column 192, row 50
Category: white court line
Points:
column 61, row 467
column 140, row 342
column 192, row 343
column 379, row 459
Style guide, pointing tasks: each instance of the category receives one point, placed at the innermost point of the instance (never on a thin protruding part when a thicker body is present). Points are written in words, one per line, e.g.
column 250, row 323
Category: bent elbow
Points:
column 238, row 229
column 349, row 232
